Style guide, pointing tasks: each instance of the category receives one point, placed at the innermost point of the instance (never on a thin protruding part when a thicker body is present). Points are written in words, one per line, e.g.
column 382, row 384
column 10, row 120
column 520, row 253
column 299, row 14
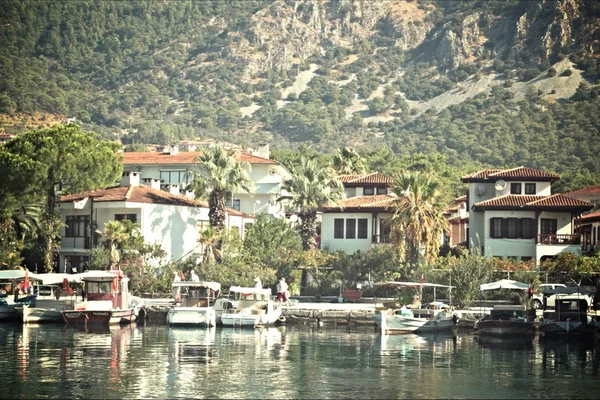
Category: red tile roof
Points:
column 524, row 202
column 184, row 157
column 519, row 173
column 585, row 191
column 135, row 194
column 593, row 216
column 377, row 202
column 375, row 177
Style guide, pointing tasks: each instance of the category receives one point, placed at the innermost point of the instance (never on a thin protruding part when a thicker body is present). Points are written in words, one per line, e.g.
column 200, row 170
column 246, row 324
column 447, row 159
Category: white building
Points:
column 362, row 220
column 513, row 214
column 164, row 217
column 590, row 221
column 170, row 166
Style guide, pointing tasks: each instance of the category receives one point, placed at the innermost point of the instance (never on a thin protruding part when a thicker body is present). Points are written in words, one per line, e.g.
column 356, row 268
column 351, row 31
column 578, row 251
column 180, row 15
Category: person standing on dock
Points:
column 194, row 277
column 176, row 290
column 257, row 283
column 282, row 288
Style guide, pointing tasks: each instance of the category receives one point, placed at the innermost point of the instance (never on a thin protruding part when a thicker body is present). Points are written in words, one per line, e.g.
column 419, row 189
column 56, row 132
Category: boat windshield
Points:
column 98, row 287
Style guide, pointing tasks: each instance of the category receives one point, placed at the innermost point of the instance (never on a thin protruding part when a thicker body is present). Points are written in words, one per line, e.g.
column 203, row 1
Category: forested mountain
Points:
column 497, row 83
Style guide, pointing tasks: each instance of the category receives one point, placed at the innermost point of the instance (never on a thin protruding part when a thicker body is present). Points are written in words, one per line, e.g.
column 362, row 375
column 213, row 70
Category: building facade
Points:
column 164, row 217
column 513, row 214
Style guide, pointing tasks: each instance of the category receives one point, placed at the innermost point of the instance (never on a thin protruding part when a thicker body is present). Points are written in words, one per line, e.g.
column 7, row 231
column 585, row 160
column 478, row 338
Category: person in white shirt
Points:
column 194, row 277
column 282, row 288
column 257, row 283
column 176, row 290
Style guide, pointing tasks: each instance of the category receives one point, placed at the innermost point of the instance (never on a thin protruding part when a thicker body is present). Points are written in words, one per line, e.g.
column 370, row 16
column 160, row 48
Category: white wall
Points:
column 348, row 245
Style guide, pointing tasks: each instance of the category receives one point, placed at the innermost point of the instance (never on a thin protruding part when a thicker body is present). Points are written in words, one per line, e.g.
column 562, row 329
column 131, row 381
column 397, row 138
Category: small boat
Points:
column 569, row 319
column 54, row 295
column 10, row 301
column 255, row 308
column 196, row 305
column 505, row 320
column 418, row 320
column 107, row 300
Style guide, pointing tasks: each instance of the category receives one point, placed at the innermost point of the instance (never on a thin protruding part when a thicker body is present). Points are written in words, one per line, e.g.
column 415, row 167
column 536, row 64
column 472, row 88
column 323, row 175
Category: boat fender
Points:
column 281, row 319
column 115, row 283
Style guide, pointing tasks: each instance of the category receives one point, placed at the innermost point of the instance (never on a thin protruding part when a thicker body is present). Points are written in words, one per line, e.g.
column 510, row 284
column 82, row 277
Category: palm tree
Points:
column 417, row 222
column 115, row 233
column 348, row 161
column 210, row 238
column 311, row 186
column 218, row 175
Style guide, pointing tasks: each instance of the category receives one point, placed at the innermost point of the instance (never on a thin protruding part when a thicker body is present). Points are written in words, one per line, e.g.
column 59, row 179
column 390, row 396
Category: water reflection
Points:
column 285, row 362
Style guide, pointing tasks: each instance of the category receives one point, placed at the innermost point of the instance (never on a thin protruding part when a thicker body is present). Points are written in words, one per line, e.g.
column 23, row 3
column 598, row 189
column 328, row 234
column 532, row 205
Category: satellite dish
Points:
column 500, row 185
column 480, row 190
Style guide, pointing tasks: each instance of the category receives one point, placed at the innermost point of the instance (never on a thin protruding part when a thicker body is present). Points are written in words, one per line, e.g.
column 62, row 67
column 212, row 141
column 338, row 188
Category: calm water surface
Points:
column 286, row 362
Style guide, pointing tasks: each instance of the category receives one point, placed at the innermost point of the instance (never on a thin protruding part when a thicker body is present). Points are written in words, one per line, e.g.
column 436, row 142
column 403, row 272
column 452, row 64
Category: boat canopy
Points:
column 411, row 284
column 57, row 279
column 14, row 274
column 504, row 284
column 99, row 276
column 211, row 285
column 249, row 290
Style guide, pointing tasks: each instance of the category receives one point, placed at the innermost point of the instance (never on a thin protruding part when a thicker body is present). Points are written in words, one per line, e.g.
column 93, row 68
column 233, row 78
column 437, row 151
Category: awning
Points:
column 504, row 284
column 411, row 284
column 57, row 279
column 16, row 274
column 211, row 285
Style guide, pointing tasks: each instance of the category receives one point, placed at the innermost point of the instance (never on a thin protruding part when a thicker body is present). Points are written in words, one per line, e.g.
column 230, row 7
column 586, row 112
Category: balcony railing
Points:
column 559, row 239
column 381, row 239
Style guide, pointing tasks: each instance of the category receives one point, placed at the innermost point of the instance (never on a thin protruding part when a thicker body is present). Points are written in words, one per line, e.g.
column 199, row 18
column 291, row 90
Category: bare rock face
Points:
column 291, row 31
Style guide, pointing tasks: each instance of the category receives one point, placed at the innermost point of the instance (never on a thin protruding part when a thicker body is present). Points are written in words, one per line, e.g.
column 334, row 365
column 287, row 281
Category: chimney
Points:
column 174, row 150
column 262, row 151
column 172, row 188
column 187, row 193
column 153, row 183
column 130, row 178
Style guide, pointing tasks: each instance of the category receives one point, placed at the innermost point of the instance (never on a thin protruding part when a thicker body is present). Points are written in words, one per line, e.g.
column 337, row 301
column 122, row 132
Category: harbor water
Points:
column 156, row 361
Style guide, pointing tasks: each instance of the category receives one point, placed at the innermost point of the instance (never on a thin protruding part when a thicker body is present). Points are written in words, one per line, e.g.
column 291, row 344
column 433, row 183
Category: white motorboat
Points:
column 196, row 305
column 255, row 308
column 506, row 320
column 53, row 297
column 417, row 321
column 405, row 320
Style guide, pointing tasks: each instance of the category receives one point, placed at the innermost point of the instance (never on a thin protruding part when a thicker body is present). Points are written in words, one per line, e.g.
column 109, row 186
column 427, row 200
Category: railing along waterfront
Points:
column 558, row 239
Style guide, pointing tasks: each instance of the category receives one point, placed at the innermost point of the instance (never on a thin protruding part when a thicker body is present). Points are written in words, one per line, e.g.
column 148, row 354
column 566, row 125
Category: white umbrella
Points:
column 504, row 284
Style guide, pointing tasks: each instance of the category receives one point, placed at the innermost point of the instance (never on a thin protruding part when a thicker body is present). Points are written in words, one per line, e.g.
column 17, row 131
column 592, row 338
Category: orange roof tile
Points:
column 135, row 194
column 591, row 216
column 553, row 202
column 377, row 202
column 184, row 157
column 585, row 191
column 375, row 177
column 519, row 173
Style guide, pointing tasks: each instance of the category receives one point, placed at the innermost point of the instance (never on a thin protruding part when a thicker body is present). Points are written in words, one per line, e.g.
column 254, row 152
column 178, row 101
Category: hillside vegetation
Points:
column 497, row 83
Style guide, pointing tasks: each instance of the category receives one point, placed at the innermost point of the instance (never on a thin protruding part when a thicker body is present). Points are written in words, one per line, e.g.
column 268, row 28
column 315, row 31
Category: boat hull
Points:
column 39, row 315
column 245, row 318
column 568, row 329
column 505, row 328
column 99, row 317
column 196, row 316
column 402, row 324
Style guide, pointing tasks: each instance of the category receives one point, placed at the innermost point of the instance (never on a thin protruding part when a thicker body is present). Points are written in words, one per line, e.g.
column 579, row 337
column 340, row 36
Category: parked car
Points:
column 537, row 301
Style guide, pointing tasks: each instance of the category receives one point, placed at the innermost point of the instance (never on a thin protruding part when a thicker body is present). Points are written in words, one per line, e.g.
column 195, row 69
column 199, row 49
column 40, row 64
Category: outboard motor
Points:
column 455, row 318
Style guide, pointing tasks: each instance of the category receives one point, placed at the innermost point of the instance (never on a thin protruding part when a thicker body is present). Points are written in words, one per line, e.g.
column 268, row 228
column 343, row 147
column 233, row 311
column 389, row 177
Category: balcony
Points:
column 559, row 239
column 380, row 239
column 75, row 242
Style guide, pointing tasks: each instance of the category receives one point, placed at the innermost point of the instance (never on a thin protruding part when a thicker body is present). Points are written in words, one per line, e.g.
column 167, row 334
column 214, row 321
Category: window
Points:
column 126, row 217
column 548, row 226
column 363, row 224
column 383, row 190
column 515, row 188
column 77, row 225
column 526, row 258
column 368, row 191
column 511, row 228
column 350, row 229
column 338, row 228
column 496, row 227
column 173, row 176
column 527, row 228
column 235, row 204
column 530, row 188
